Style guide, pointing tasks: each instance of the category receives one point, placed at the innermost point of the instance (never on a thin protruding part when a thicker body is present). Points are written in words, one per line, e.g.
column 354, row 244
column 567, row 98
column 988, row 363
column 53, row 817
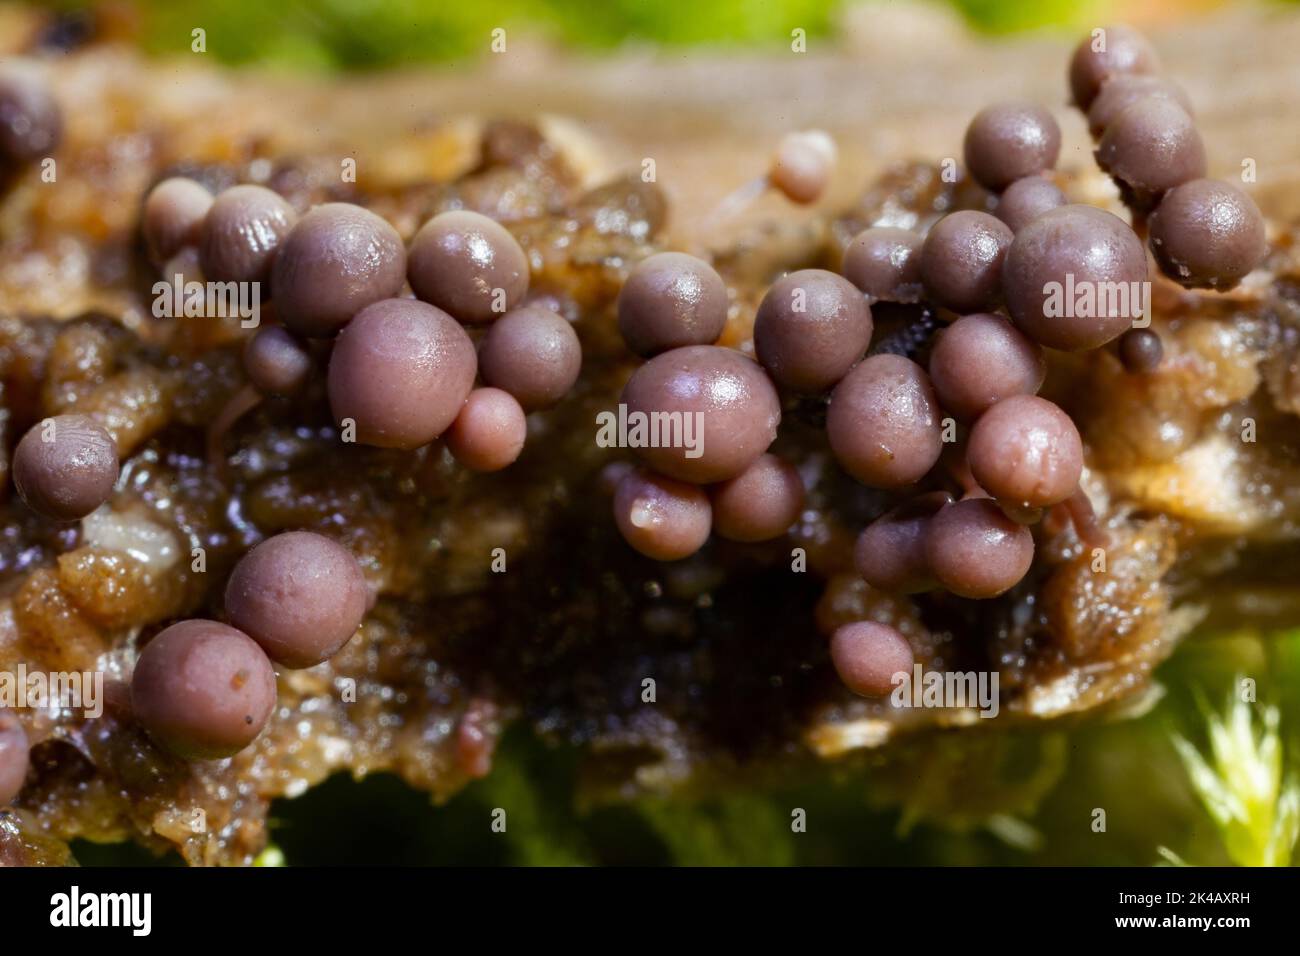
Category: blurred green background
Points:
column 1027, row 798
column 363, row 34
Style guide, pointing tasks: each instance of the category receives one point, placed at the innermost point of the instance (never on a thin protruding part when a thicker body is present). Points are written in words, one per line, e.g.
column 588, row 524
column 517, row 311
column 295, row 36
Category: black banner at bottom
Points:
column 338, row 906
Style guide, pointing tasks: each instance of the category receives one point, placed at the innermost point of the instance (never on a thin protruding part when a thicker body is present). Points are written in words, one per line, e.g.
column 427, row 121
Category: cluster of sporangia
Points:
column 992, row 277
column 401, row 374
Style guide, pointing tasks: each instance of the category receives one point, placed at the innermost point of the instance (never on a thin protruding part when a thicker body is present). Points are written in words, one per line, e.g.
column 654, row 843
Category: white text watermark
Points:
column 208, row 300
column 63, row 690
column 638, row 429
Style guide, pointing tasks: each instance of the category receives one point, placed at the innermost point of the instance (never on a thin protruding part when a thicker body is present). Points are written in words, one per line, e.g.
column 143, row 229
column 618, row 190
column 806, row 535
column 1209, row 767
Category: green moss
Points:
column 361, row 34
column 1008, row 16
column 351, row 34
column 746, row 829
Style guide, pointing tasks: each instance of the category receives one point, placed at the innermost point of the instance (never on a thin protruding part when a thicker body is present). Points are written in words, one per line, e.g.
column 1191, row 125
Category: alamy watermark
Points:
column 636, row 429
column 208, row 300
column 1086, row 299
column 64, row 690
column 133, row 911
column 975, row 689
